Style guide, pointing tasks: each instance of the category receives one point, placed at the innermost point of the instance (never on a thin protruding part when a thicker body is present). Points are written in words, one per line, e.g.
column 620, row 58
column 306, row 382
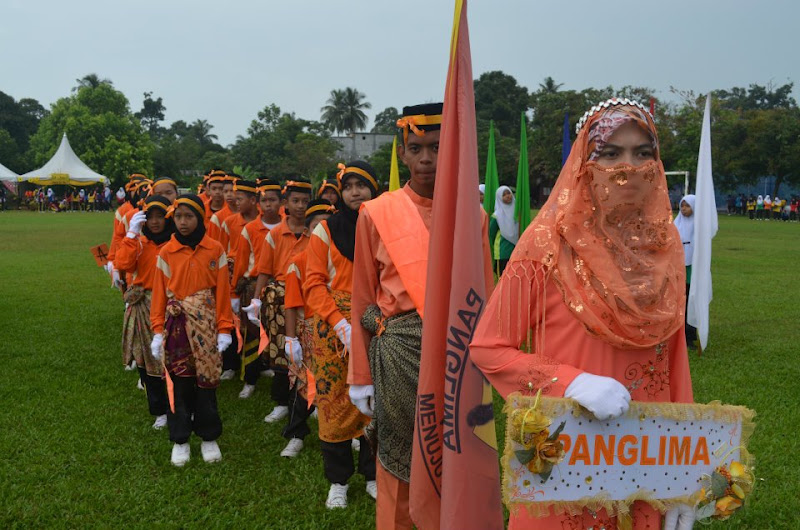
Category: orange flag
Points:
column 455, row 480
column 100, row 253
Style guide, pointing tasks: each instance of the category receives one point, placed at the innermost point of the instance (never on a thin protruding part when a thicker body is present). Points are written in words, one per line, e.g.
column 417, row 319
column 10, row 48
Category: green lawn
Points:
column 78, row 451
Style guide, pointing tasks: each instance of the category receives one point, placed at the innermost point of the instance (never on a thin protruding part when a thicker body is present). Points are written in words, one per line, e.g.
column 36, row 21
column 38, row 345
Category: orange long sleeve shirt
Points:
column 117, row 232
column 326, row 270
column 379, row 283
column 232, row 233
column 295, row 277
column 215, row 221
column 138, row 257
column 281, row 244
column 248, row 251
column 183, row 271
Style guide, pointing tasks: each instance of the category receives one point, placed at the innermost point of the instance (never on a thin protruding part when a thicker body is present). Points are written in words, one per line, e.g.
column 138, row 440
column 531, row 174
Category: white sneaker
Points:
column 131, row 366
column 139, row 384
column 180, row 454
column 227, row 375
column 160, row 423
column 356, row 444
column 247, row 391
column 268, row 373
column 211, row 452
column 372, row 489
column 293, row 448
column 337, row 496
column 277, row 414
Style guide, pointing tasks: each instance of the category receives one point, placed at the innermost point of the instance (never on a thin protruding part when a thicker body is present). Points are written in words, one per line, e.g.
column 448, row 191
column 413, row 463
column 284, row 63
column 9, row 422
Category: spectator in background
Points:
column 751, row 207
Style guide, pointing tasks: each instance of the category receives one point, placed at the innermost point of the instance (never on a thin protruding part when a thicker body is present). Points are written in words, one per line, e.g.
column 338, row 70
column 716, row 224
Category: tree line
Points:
column 755, row 132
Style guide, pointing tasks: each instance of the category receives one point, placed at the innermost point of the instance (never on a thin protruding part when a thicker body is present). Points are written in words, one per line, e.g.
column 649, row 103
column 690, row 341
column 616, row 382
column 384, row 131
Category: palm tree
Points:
column 201, row 130
column 344, row 113
column 91, row 81
column 550, row 86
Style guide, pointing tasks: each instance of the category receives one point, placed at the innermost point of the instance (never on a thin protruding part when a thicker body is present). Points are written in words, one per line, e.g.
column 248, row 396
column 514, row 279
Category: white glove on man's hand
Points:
column 602, row 396
column 157, row 346
column 109, row 267
column 223, row 341
column 253, row 310
column 363, row 397
column 344, row 331
column 294, row 352
column 236, row 304
column 136, row 224
column 680, row 517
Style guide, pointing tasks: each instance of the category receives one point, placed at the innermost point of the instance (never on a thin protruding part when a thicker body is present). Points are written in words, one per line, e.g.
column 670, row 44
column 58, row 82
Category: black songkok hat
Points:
column 421, row 118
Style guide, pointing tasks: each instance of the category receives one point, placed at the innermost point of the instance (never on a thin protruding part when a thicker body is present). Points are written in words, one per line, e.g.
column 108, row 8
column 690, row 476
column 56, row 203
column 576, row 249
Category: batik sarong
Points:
column 191, row 339
column 394, row 354
column 136, row 333
column 339, row 419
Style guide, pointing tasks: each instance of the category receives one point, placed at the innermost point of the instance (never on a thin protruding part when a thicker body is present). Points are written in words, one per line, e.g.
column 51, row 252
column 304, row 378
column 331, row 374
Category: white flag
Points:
column 705, row 228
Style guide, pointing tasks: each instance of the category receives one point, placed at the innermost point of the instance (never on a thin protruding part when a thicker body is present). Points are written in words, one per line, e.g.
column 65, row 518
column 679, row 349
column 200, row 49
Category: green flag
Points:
column 522, row 210
column 492, row 181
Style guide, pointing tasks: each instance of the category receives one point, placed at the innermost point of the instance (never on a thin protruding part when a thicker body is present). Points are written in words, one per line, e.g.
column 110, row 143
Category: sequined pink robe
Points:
column 660, row 373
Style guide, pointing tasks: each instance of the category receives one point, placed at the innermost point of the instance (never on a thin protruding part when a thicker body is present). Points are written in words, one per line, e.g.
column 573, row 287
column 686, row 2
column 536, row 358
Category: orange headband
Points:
column 164, row 181
column 319, row 208
column 411, row 122
column 241, row 187
column 157, row 204
column 191, row 204
column 295, row 184
column 269, row 187
column 344, row 170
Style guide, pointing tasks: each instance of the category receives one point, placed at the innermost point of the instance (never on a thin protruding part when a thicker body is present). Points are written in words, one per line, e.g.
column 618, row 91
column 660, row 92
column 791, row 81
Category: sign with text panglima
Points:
column 655, row 452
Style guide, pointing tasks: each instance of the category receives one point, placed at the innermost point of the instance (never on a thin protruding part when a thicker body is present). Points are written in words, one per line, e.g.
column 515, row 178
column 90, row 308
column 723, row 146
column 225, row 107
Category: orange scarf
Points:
column 605, row 238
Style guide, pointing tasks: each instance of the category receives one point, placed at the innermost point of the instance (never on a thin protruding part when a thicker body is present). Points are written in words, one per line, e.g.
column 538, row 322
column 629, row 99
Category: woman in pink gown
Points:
column 591, row 305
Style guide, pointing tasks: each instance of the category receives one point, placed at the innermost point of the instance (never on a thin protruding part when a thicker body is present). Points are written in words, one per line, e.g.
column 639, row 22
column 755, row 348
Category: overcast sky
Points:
column 223, row 61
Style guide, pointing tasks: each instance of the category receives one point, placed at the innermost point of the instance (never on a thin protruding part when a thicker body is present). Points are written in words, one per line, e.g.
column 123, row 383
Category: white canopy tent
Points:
column 64, row 168
column 7, row 174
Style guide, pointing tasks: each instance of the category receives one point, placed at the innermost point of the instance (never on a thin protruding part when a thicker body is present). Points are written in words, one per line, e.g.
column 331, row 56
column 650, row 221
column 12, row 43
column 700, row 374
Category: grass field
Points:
column 78, row 451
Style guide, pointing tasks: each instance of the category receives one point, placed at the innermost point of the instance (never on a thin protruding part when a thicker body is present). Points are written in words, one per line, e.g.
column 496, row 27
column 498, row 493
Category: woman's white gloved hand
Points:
column 602, row 396
column 136, row 224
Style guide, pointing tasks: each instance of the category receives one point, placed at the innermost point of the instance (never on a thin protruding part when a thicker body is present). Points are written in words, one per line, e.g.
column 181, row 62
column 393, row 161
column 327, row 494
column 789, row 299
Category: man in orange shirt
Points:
column 214, row 186
column 119, row 229
column 299, row 318
column 191, row 319
column 247, row 208
column 329, row 190
column 282, row 244
column 245, row 273
column 328, row 286
column 391, row 259
column 148, row 231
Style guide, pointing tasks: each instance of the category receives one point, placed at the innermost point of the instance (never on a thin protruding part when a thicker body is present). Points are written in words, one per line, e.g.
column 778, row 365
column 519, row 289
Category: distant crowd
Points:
column 763, row 207
column 96, row 199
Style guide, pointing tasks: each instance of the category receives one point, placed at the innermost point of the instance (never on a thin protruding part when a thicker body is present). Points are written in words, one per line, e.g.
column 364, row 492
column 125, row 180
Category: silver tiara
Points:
column 609, row 103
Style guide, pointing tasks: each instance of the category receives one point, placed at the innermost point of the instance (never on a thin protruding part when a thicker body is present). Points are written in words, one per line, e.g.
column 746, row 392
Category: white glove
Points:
column 363, row 397
column 157, row 346
column 136, row 224
column 223, row 341
column 294, row 352
column 344, row 331
column 603, row 396
column 253, row 311
column 116, row 281
column 680, row 517
column 109, row 267
column 236, row 305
